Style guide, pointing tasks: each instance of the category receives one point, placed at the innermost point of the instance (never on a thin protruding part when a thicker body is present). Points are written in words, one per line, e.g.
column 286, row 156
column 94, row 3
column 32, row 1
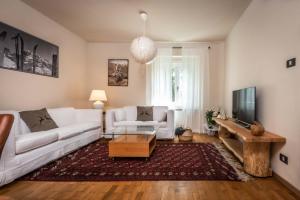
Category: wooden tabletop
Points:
column 142, row 138
column 246, row 135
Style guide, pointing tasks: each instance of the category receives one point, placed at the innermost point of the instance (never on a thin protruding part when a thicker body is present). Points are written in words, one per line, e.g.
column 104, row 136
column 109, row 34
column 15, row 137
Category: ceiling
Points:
column 168, row 20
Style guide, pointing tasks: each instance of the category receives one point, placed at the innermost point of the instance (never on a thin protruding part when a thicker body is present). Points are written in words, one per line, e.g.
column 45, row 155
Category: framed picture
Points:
column 118, row 72
column 23, row 52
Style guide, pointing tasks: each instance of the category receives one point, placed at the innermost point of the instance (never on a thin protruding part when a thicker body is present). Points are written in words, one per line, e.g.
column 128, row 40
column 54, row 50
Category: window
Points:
column 177, row 83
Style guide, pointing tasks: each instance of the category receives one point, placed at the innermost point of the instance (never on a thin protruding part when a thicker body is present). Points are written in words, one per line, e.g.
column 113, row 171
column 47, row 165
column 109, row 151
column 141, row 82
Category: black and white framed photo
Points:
column 118, row 72
column 23, row 52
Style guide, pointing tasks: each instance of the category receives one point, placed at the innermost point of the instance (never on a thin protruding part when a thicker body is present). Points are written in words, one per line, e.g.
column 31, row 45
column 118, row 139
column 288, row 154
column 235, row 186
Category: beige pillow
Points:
column 144, row 113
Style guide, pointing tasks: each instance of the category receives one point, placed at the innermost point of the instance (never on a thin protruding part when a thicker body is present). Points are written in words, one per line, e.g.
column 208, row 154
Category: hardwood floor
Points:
column 264, row 188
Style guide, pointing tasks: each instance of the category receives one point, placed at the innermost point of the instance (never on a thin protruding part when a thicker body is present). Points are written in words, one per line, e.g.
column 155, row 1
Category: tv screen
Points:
column 243, row 105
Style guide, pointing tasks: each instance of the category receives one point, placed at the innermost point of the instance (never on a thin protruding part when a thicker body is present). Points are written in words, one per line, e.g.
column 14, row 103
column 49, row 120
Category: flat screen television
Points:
column 244, row 106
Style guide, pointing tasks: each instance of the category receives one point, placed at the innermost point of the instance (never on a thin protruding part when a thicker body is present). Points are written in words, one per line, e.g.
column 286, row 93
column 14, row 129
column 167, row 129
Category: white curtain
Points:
column 159, row 82
column 194, row 85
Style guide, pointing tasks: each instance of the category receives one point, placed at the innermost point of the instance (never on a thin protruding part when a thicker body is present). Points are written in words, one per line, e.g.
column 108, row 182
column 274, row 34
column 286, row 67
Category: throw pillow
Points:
column 144, row 113
column 38, row 120
column 160, row 113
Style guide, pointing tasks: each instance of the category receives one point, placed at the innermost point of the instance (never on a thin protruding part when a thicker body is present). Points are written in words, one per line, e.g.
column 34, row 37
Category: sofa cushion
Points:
column 141, row 123
column 160, row 113
column 76, row 129
column 131, row 113
column 88, row 115
column 38, row 120
column 63, row 116
column 144, row 113
column 29, row 141
column 120, row 115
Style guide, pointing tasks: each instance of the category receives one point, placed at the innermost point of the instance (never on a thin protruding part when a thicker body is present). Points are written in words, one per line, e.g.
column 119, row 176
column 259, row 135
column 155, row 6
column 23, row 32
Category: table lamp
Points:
column 98, row 96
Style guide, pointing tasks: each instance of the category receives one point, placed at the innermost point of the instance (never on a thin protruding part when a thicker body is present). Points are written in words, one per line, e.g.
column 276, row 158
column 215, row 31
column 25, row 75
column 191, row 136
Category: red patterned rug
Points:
column 170, row 161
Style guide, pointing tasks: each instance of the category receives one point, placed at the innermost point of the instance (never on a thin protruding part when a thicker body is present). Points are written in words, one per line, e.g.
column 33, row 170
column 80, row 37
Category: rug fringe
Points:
column 233, row 162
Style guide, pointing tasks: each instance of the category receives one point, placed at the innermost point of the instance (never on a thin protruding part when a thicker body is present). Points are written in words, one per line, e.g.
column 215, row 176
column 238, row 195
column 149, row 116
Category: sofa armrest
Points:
column 109, row 120
column 9, row 150
column 89, row 115
column 6, row 122
column 171, row 120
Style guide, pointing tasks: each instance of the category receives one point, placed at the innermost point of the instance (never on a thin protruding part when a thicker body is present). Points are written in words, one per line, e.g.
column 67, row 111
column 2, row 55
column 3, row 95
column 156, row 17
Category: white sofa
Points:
column 127, row 116
column 25, row 151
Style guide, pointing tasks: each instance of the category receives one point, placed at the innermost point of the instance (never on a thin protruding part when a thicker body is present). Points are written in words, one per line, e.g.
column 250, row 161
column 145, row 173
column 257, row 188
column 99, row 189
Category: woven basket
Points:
column 187, row 136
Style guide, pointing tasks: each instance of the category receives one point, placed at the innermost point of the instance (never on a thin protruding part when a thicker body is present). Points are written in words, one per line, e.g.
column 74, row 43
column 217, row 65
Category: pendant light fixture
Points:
column 143, row 48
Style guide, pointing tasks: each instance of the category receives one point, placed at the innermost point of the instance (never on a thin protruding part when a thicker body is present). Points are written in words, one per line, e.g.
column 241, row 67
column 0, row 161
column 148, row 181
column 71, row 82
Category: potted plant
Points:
column 209, row 117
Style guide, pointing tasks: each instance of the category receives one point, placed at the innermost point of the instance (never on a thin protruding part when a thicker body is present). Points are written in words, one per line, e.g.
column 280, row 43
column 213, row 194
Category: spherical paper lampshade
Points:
column 143, row 49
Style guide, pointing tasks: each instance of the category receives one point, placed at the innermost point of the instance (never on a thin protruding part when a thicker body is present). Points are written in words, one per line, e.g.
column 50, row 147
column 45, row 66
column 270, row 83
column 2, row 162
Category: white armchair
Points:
column 127, row 116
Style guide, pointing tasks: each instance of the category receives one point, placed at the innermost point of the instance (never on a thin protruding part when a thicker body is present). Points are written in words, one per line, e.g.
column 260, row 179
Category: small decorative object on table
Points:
column 184, row 135
column 257, row 129
column 222, row 115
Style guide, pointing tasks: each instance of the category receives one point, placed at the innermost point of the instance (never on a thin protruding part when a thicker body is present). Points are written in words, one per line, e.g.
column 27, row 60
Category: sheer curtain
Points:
column 159, row 82
column 194, row 85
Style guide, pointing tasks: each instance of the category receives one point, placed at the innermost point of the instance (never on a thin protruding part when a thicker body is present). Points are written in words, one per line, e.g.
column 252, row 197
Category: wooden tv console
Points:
column 252, row 151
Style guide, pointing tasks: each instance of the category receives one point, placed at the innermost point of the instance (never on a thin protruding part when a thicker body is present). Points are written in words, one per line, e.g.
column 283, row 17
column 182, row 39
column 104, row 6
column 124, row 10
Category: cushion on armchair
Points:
column 160, row 113
column 144, row 113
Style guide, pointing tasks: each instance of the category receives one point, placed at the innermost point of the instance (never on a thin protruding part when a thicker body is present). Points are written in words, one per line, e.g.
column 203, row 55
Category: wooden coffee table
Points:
column 132, row 144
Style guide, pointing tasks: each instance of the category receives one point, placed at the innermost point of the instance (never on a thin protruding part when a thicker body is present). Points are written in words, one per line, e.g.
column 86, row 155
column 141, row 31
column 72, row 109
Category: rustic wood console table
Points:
column 252, row 151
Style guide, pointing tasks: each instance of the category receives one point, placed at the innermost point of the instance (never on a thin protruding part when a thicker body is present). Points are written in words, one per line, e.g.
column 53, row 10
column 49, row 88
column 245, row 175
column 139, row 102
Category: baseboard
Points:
column 287, row 184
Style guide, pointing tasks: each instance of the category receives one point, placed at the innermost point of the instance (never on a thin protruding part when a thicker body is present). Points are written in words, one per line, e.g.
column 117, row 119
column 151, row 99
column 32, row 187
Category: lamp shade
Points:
column 98, row 95
column 143, row 49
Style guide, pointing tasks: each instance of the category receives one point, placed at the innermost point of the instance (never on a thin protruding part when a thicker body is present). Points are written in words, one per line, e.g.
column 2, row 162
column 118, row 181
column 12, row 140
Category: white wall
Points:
column 28, row 91
column 135, row 93
column 82, row 67
column 268, row 34
column 217, row 65
column 98, row 55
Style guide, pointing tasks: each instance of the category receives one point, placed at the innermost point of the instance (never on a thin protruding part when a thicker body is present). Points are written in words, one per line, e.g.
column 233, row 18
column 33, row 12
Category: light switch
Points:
column 291, row 63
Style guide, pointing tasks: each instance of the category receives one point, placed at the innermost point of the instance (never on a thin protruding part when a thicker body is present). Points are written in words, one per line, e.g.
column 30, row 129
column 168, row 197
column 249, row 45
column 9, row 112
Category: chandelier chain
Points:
column 144, row 33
